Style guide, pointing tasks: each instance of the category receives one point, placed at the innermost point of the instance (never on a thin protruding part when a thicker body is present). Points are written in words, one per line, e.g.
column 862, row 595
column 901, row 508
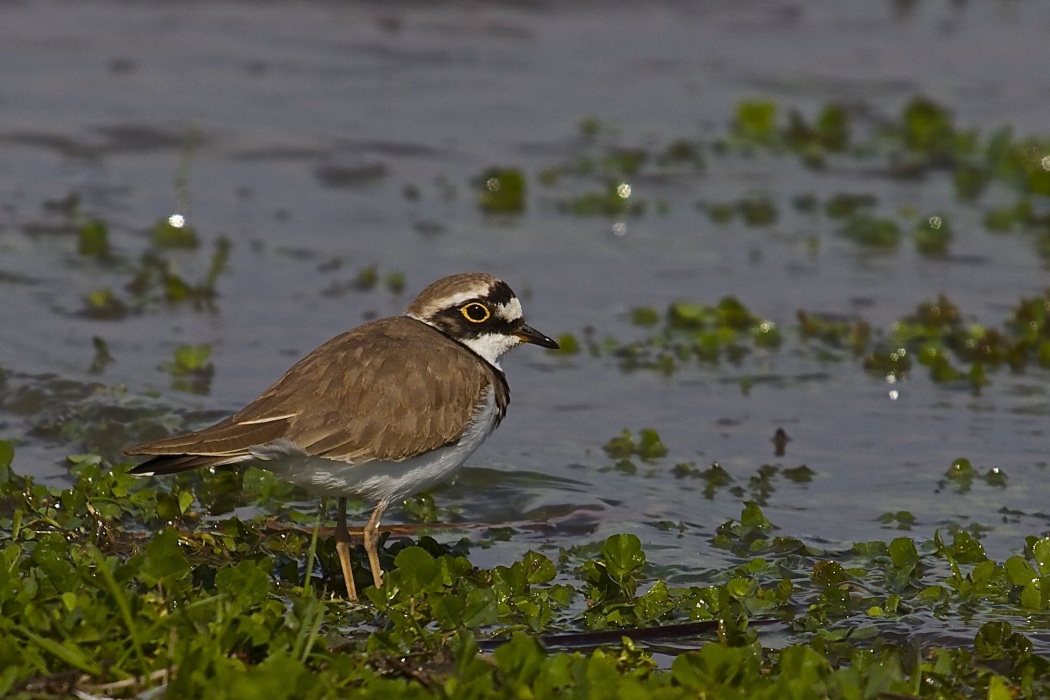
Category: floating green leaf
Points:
column 163, row 560
column 173, row 233
column 93, row 238
column 501, row 191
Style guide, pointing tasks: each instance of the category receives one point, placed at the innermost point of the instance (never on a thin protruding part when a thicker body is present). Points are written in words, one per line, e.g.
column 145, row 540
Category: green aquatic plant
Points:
column 901, row 520
column 155, row 280
column 188, row 359
column 754, row 210
column 681, row 151
column 190, row 368
column 102, row 356
column 693, row 331
column 834, row 331
column 921, row 141
column 616, row 199
column 613, row 577
column 927, row 127
column 568, row 344
column 933, row 235
column 103, row 303
column 625, row 162
column 93, row 239
column 936, row 336
column 830, row 130
column 1007, row 218
column 394, row 282
column 970, row 181
column 645, row 316
column 501, row 191
column 719, row 212
column 589, row 127
column 112, row 586
column 602, row 176
column 844, row 205
column 871, row 231
column 646, row 447
column 367, row 277
column 168, row 233
column 755, row 122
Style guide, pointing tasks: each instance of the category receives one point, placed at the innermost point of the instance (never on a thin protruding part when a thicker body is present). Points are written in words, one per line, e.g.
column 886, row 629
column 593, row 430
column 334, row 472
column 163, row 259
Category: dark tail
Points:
column 172, row 464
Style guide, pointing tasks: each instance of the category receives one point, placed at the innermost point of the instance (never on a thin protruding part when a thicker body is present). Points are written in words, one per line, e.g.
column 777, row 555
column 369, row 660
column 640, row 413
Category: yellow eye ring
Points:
column 475, row 312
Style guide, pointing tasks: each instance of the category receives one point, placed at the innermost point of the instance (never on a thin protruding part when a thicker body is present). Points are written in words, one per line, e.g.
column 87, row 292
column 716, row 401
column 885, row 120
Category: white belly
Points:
column 377, row 480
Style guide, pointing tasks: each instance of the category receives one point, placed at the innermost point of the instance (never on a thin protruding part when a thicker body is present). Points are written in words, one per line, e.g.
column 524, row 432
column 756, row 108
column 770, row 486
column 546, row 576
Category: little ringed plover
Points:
column 383, row 411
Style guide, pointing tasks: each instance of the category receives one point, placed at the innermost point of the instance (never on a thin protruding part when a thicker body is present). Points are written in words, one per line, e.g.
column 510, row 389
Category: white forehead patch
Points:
column 511, row 311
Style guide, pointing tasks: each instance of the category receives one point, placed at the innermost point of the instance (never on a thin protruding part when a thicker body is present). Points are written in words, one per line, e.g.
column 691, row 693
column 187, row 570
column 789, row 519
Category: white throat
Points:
column 491, row 346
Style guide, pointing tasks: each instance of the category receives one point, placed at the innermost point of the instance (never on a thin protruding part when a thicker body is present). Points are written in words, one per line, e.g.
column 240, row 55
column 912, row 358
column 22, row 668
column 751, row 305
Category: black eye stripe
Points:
column 454, row 323
column 492, row 326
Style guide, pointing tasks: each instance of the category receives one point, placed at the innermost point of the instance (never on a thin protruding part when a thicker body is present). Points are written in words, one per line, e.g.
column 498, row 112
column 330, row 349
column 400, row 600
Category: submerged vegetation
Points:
column 935, row 336
column 607, row 178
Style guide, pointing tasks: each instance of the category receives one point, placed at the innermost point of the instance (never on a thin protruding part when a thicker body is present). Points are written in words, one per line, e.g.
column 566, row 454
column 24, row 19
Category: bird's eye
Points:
column 475, row 312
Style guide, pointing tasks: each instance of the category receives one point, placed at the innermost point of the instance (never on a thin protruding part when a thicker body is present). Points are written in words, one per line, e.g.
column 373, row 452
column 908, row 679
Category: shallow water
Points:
column 298, row 131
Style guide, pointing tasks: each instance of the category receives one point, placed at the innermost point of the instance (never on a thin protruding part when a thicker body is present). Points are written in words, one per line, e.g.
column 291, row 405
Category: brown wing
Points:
column 387, row 390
